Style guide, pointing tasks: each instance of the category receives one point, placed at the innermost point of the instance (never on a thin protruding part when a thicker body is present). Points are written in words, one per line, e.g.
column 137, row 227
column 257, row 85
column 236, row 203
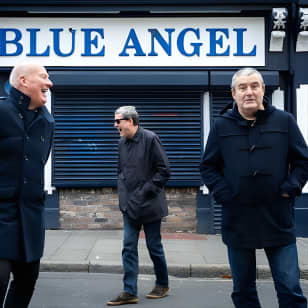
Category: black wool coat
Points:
column 24, row 151
column 247, row 166
column 143, row 170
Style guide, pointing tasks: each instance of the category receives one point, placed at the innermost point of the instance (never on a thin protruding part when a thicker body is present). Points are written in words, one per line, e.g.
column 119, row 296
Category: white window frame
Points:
column 302, row 114
column 206, row 128
column 48, row 167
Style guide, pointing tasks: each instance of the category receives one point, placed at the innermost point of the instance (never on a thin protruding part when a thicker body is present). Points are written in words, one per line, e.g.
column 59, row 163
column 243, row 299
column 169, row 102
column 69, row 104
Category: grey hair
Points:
column 247, row 71
column 129, row 112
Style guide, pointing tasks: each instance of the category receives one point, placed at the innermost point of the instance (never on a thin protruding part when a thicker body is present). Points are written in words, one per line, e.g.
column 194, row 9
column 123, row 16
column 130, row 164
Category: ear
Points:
column 22, row 81
column 233, row 93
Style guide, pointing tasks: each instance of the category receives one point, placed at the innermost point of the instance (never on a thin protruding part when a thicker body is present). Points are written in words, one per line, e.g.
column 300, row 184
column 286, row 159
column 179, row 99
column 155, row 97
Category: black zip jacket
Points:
column 143, row 171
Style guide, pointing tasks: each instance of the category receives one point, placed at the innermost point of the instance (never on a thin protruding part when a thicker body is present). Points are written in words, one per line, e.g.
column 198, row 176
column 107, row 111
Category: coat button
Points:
column 27, row 137
column 25, row 181
column 20, row 115
column 252, row 148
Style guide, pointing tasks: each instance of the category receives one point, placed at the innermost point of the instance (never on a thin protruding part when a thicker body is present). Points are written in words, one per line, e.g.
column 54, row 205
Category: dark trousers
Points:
column 130, row 254
column 283, row 261
column 21, row 287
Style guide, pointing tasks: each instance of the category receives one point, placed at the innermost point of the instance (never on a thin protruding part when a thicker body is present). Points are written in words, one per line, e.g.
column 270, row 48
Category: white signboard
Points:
column 187, row 42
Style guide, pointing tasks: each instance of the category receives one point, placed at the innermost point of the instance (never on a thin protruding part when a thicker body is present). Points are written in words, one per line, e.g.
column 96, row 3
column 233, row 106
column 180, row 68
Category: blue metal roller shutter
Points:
column 85, row 145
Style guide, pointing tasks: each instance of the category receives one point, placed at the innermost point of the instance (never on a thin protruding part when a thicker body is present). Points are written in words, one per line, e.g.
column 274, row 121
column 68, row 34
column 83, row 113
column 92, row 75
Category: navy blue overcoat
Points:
column 248, row 165
column 23, row 154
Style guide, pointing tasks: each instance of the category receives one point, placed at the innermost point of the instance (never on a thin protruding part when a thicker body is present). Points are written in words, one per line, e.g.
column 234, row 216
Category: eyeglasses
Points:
column 119, row 120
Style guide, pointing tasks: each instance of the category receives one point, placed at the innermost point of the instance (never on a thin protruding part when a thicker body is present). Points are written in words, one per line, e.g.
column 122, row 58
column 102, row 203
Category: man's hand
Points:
column 285, row 195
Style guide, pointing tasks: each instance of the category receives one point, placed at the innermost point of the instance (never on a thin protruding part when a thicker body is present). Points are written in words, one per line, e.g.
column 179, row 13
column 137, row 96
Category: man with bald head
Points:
column 26, row 130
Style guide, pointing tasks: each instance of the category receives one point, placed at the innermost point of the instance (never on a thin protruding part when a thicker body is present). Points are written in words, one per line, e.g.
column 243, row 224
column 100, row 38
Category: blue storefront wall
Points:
column 287, row 63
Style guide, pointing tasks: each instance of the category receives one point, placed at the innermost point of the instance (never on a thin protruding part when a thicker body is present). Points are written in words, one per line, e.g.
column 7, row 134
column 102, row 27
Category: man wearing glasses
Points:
column 143, row 171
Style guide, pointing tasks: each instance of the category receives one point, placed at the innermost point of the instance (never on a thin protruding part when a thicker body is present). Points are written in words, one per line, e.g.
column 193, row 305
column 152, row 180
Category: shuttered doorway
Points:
column 85, row 144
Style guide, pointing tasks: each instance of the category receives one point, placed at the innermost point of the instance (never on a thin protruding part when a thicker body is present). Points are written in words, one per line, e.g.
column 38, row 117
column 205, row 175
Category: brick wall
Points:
column 98, row 209
column 182, row 203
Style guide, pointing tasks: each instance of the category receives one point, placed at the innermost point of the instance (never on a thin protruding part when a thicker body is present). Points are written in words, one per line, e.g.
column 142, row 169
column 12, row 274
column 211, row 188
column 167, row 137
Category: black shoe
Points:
column 123, row 299
column 158, row 292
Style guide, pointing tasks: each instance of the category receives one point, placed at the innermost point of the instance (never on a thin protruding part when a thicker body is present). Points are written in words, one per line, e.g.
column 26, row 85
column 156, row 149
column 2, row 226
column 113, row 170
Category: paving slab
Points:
column 187, row 254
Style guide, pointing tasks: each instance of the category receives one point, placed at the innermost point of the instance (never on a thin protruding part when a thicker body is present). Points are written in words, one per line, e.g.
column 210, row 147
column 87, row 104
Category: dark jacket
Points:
column 143, row 171
column 247, row 166
column 24, row 149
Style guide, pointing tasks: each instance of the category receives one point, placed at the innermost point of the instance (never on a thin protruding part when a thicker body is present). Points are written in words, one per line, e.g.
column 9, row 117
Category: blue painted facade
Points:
column 286, row 70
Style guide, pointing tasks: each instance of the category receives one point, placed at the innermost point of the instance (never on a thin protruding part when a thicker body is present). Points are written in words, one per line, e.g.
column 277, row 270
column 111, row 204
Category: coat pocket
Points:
column 146, row 193
column 256, row 189
column 151, row 210
column 274, row 136
column 133, row 210
column 233, row 140
column 282, row 213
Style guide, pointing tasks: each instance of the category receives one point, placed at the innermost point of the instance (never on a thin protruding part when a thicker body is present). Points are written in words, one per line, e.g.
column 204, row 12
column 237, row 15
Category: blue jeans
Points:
column 283, row 261
column 130, row 254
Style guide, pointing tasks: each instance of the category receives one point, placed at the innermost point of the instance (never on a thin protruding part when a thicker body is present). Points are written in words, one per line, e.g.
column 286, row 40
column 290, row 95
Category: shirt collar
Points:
column 136, row 137
column 260, row 114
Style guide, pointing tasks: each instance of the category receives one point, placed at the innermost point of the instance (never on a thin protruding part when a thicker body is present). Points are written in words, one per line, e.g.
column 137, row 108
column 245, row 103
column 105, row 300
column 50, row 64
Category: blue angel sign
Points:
column 133, row 42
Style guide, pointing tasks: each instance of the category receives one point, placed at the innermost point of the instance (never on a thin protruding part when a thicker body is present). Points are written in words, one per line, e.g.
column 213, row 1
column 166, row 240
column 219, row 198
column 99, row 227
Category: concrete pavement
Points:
column 188, row 254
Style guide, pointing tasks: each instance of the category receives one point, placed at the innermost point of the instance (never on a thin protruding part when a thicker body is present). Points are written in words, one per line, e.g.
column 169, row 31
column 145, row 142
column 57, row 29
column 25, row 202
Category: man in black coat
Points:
column 255, row 163
column 142, row 173
column 26, row 130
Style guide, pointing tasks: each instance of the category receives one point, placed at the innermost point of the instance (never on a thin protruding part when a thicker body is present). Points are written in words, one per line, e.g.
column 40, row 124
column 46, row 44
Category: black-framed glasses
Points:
column 119, row 120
